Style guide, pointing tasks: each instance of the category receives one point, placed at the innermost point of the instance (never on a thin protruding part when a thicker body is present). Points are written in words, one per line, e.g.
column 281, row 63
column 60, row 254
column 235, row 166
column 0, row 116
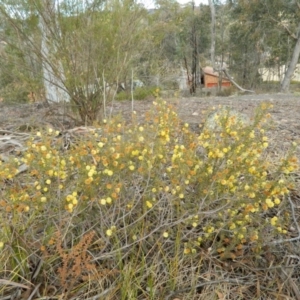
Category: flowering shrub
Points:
column 150, row 187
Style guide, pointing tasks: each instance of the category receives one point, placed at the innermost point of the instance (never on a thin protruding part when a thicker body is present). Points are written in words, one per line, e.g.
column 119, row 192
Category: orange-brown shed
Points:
column 211, row 79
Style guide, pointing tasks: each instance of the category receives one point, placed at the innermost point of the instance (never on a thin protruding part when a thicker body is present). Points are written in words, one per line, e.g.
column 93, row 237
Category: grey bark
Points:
column 285, row 84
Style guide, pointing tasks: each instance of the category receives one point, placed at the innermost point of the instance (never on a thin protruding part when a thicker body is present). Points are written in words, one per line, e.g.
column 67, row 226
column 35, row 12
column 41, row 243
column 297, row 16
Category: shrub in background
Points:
column 16, row 81
column 227, row 91
column 140, row 93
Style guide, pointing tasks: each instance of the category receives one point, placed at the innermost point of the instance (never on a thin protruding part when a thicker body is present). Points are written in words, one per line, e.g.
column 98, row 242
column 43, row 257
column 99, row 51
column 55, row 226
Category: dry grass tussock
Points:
column 149, row 211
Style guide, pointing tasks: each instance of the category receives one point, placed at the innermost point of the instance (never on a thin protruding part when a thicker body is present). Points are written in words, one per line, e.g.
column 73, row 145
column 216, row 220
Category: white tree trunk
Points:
column 52, row 68
column 213, row 32
column 285, row 84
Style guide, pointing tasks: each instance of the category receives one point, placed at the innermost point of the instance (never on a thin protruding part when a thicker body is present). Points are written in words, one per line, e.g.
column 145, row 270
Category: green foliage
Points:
column 19, row 73
column 15, row 93
column 140, row 93
column 133, row 206
column 16, row 83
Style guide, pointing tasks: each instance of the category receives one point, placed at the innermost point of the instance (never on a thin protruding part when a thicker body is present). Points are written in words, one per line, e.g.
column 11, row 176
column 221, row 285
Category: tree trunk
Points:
column 213, row 32
column 52, row 68
column 285, row 85
column 195, row 56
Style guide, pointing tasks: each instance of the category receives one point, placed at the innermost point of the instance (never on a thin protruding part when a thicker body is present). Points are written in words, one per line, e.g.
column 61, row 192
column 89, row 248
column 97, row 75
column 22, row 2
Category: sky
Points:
column 150, row 3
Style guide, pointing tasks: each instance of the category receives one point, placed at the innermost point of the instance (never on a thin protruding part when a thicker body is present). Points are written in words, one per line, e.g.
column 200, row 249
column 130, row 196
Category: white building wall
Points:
column 277, row 74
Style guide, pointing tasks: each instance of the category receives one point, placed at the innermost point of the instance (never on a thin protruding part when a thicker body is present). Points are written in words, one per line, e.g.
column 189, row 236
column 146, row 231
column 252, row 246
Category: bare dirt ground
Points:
column 285, row 113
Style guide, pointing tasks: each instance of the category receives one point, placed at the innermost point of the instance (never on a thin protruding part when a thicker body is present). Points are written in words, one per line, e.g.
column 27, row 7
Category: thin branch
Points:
column 296, row 224
column 285, row 27
column 229, row 280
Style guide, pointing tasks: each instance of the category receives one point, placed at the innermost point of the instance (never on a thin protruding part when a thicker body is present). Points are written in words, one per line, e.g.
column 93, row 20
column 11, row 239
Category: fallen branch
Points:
column 234, row 83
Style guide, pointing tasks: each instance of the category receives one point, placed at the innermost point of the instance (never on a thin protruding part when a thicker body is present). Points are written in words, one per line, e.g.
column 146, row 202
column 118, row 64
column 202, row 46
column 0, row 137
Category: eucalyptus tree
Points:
column 167, row 29
column 53, row 71
column 247, row 42
column 288, row 20
column 213, row 31
column 265, row 32
column 180, row 36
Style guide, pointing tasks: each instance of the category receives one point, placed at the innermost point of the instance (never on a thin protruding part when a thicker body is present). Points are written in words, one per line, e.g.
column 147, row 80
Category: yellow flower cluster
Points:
column 160, row 167
column 111, row 231
column 72, row 201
